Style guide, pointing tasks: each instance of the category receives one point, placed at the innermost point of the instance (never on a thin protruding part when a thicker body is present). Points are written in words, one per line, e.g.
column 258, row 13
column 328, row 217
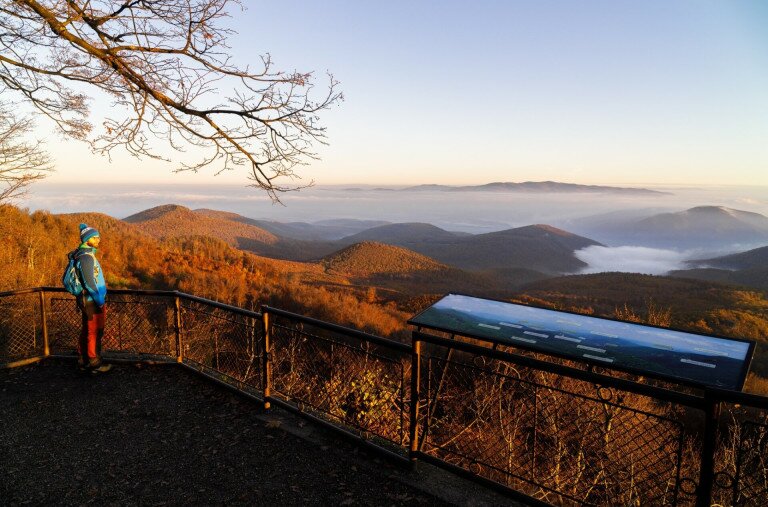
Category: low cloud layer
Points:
column 631, row 259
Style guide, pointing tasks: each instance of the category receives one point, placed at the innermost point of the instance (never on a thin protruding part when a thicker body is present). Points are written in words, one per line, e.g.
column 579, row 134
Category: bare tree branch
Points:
column 168, row 68
column 21, row 162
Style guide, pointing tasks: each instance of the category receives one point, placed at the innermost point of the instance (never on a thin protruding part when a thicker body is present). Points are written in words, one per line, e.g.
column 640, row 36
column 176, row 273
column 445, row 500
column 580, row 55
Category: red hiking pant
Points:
column 89, row 346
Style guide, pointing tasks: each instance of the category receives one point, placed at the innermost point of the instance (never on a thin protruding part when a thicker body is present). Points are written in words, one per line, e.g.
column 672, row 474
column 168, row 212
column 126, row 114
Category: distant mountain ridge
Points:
column 321, row 230
column 539, row 247
column 536, row 187
column 700, row 227
column 402, row 234
column 748, row 269
column 755, row 258
column 514, row 255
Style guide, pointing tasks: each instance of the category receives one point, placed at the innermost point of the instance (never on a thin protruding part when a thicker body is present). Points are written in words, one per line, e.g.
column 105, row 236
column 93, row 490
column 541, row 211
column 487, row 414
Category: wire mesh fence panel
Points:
column 555, row 438
column 751, row 484
column 19, row 327
column 347, row 380
column 224, row 342
column 64, row 323
column 139, row 324
column 741, row 458
column 134, row 324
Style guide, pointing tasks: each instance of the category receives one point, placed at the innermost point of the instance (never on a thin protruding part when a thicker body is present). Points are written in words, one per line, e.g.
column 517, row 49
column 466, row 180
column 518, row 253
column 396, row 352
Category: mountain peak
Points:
column 724, row 211
column 173, row 220
column 401, row 234
column 710, row 209
column 369, row 258
column 156, row 212
column 548, row 229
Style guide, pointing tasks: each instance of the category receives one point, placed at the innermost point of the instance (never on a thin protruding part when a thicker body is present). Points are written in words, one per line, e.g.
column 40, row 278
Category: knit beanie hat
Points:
column 87, row 233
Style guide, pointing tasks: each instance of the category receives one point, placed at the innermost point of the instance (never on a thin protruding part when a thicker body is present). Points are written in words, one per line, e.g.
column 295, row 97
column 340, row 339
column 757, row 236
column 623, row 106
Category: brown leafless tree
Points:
column 21, row 162
column 168, row 68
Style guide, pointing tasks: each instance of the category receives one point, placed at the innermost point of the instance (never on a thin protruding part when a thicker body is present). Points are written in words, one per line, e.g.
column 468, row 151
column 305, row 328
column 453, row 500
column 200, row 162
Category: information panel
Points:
column 663, row 353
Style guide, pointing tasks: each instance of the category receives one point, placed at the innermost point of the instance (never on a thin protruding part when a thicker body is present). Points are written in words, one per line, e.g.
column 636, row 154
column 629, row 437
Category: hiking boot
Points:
column 104, row 368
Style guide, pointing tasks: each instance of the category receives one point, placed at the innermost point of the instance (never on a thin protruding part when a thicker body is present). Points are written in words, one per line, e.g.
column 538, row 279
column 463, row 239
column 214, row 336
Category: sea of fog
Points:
column 473, row 212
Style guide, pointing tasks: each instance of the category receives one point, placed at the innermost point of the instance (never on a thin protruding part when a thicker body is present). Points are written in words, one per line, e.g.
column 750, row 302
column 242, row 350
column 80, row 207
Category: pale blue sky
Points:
column 607, row 92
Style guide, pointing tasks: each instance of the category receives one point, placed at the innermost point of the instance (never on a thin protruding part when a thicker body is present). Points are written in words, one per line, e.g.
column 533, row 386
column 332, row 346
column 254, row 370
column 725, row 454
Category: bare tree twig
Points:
column 21, row 162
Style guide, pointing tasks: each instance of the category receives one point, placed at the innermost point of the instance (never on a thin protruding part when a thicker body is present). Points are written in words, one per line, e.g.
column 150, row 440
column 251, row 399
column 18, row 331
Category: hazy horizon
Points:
column 468, row 211
column 619, row 93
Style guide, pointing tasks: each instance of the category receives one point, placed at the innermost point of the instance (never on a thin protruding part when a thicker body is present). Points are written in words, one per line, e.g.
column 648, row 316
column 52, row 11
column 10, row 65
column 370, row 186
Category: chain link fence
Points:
column 135, row 324
column 222, row 342
column 555, row 438
column 20, row 328
column 741, row 459
column 346, row 377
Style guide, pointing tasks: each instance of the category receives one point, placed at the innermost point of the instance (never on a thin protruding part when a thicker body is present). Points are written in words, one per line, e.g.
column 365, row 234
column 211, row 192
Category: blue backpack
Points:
column 71, row 279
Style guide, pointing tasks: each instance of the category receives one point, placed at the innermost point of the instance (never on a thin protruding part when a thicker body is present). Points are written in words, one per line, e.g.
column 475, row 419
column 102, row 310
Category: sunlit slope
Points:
column 171, row 220
column 405, row 271
column 377, row 259
column 174, row 221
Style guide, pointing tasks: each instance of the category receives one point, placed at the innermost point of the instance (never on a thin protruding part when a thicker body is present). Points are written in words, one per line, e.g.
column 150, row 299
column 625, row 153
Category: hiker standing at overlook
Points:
column 91, row 301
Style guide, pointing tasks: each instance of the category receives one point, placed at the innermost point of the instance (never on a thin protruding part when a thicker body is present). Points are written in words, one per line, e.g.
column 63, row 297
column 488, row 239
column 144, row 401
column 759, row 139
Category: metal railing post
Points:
column 44, row 325
column 177, row 318
column 266, row 364
column 708, row 448
column 432, row 403
column 415, row 398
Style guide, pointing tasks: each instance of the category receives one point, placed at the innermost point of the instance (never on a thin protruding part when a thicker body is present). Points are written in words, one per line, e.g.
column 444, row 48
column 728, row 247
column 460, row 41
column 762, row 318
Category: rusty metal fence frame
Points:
column 393, row 400
column 356, row 401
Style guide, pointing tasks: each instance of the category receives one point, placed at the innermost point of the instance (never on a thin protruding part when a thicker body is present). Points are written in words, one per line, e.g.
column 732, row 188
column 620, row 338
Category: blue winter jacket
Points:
column 91, row 275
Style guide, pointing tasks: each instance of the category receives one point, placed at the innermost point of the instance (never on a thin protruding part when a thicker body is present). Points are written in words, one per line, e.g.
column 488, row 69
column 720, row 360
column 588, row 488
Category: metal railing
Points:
column 543, row 431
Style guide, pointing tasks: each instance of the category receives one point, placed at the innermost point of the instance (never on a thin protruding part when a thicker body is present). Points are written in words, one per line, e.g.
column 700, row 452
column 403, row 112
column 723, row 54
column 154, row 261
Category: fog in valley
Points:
column 607, row 218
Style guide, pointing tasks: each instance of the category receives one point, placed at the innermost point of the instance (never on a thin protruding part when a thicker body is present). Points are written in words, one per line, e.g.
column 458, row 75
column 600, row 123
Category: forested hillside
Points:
column 172, row 221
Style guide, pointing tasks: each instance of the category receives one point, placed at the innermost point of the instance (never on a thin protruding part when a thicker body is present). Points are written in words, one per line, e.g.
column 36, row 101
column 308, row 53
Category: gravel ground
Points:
column 158, row 435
